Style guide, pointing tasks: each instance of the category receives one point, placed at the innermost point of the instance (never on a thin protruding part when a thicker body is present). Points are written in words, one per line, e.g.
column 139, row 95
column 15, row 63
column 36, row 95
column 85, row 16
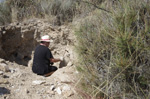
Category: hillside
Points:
column 105, row 44
column 17, row 81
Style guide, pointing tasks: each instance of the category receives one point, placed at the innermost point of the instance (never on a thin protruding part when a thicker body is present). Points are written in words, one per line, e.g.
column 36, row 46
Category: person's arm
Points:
column 53, row 60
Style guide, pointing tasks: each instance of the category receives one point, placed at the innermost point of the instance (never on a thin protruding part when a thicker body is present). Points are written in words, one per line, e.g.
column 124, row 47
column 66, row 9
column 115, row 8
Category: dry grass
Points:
column 113, row 50
column 113, row 40
column 60, row 10
column 5, row 14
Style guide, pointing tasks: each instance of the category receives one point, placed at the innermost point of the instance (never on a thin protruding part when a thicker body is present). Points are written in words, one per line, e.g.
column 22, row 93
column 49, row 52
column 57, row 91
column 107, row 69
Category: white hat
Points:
column 46, row 38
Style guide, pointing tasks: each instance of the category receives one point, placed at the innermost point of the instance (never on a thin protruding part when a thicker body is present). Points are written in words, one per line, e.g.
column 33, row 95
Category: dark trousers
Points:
column 40, row 71
column 50, row 69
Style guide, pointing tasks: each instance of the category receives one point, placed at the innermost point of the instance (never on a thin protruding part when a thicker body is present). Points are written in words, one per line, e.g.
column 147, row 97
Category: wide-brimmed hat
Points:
column 46, row 38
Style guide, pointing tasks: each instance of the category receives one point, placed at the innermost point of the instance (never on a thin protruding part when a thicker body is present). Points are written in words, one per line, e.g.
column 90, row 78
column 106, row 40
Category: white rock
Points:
column 1, row 72
column 52, row 87
column 2, row 60
column 37, row 82
column 69, row 64
column 12, row 70
column 58, row 91
column 76, row 72
column 30, row 63
column 3, row 64
column 66, row 88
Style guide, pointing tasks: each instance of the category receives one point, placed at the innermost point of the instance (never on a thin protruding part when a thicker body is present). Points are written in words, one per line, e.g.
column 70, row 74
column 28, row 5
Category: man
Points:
column 43, row 58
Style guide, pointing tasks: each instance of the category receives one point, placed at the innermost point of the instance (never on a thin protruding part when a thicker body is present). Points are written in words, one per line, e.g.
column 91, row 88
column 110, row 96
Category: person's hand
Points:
column 61, row 58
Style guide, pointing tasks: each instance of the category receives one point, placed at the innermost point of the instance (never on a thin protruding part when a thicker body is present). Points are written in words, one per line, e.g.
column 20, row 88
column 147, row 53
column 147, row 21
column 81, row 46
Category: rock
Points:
column 12, row 70
column 4, row 81
column 63, row 63
column 66, row 88
column 69, row 64
column 77, row 72
column 68, row 93
column 3, row 64
column 38, row 82
column 5, row 76
column 2, row 60
column 4, row 67
column 50, row 92
column 27, row 91
column 1, row 72
column 58, row 90
column 52, row 87
column 30, row 63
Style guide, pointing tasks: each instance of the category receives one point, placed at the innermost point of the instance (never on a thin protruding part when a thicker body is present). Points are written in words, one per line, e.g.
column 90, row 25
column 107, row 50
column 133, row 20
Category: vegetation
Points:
column 114, row 51
column 113, row 41
column 59, row 10
column 5, row 16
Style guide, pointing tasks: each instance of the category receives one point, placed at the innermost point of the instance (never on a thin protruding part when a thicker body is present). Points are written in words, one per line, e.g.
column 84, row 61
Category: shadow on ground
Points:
column 4, row 91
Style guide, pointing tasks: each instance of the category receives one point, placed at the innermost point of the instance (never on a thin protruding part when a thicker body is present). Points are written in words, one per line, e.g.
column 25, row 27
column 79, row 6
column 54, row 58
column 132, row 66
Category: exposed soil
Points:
column 17, row 44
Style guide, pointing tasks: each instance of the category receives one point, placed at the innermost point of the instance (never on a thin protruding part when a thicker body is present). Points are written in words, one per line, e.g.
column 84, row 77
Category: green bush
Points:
column 114, row 50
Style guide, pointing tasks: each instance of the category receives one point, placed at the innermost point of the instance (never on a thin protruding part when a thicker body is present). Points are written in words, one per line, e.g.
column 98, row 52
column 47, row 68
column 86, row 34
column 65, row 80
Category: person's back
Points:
column 43, row 58
column 41, row 61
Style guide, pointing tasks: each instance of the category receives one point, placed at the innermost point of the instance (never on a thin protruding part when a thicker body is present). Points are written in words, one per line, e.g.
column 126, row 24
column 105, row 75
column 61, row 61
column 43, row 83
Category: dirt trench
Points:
column 17, row 45
column 18, row 40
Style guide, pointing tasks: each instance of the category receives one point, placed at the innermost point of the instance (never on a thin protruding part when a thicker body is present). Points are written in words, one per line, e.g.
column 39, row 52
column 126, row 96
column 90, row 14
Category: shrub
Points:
column 63, row 10
column 114, row 50
column 5, row 14
column 25, row 8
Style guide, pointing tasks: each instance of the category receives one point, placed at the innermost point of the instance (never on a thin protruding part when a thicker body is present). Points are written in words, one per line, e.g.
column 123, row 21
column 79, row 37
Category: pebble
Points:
column 38, row 82
column 27, row 91
column 1, row 72
column 68, row 93
column 66, row 88
column 58, row 91
column 52, row 87
column 70, row 64
column 50, row 92
column 4, row 67
column 4, row 81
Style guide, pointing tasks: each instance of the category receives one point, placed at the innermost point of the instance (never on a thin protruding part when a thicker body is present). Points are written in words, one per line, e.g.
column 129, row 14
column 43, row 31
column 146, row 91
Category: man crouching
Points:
column 43, row 58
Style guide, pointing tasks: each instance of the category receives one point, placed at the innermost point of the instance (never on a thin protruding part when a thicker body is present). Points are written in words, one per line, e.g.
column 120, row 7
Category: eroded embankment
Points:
column 18, row 40
column 17, row 44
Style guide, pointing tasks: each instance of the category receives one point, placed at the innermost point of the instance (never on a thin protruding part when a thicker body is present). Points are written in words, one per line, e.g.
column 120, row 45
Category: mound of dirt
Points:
column 20, row 83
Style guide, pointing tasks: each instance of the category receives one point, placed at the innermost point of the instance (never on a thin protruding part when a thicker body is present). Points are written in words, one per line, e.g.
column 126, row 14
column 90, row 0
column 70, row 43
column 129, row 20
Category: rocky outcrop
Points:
column 17, row 44
column 18, row 40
